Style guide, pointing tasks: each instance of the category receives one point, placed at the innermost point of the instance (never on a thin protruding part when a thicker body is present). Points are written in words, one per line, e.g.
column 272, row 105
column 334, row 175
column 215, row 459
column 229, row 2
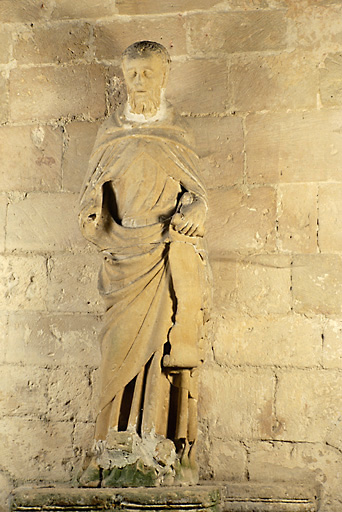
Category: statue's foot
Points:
column 90, row 477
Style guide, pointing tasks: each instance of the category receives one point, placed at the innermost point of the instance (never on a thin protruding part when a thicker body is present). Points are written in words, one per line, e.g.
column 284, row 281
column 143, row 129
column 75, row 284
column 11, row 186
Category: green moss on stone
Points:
column 132, row 475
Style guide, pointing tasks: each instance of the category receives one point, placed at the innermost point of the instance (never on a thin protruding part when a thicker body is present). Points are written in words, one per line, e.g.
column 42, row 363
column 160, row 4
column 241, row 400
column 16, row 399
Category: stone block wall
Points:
column 260, row 82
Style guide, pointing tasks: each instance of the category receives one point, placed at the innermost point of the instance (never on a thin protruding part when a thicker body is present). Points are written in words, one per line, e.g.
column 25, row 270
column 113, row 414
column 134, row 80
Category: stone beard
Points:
column 144, row 207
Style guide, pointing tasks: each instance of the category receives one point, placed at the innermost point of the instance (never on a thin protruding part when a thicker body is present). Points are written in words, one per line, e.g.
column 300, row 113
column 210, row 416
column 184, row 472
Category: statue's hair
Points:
column 146, row 48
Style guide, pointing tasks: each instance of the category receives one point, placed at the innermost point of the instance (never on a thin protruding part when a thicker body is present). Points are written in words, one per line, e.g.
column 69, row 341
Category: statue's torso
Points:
column 145, row 193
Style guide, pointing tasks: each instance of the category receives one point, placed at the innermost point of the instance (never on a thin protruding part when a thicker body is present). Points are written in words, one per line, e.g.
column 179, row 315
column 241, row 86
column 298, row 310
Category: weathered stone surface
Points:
column 131, row 7
column 256, row 285
column 77, row 291
column 111, row 39
column 283, row 147
column 317, row 284
column 228, row 461
column 204, row 498
column 247, row 220
column 321, row 17
column 31, row 158
column 292, row 463
column 36, row 339
column 224, row 283
column 219, row 143
column 3, row 335
column 330, row 217
column 52, row 92
column 5, row 46
column 274, row 82
column 270, row 497
column 332, row 343
column 46, row 445
column 198, row 86
column 23, row 391
column 6, row 486
column 298, row 218
column 264, row 286
column 162, row 6
column 330, row 80
column 63, row 9
column 30, row 10
column 307, row 403
column 237, row 32
column 35, row 224
column 4, row 104
column 248, row 392
column 3, row 213
column 70, row 395
column 291, row 340
column 81, row 137
column 70, row 42
column 23, row 282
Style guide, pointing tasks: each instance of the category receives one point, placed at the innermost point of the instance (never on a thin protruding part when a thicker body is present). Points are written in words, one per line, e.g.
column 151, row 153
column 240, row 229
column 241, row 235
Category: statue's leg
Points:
column 185, row 268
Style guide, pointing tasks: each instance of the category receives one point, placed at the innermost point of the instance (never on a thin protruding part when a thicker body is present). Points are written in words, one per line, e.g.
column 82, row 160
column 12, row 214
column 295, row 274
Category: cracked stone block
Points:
column 31, row 158
column 45, row 93
column 36, row 223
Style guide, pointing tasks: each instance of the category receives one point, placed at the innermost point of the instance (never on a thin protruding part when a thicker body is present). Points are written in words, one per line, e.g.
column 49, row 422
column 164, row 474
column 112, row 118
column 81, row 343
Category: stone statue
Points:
column 144, row 207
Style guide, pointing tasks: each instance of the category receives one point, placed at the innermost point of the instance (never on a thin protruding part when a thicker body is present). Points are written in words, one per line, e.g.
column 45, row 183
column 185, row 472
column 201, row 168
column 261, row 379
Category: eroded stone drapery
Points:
column 144, row 207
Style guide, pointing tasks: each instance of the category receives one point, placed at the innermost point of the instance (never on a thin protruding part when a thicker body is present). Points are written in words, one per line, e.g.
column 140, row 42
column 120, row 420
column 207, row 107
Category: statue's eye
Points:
column 148, row 73
column 132, row 74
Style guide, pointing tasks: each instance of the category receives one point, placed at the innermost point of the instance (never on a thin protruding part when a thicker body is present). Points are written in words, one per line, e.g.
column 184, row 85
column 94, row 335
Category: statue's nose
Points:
column 139, row 79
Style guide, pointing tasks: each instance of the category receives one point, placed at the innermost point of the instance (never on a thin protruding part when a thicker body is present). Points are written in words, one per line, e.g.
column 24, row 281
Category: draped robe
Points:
column 137, row 175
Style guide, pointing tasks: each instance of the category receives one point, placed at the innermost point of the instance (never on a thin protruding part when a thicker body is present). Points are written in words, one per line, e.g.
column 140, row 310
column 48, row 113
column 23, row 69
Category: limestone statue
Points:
column 144, row 207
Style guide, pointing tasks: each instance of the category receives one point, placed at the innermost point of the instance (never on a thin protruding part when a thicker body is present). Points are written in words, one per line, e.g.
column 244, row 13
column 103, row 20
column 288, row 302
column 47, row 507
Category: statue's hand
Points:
column 189, row 219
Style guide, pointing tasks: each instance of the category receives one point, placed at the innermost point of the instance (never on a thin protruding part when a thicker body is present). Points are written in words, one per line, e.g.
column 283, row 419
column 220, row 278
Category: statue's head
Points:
column 145, row 66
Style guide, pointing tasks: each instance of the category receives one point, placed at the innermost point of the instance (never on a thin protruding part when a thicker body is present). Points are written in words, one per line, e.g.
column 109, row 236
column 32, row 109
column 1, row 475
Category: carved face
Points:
column 145, row 78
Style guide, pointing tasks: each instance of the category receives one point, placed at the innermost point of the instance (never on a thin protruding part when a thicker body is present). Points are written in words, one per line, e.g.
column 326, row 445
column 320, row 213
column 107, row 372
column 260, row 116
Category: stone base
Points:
column 207, row 498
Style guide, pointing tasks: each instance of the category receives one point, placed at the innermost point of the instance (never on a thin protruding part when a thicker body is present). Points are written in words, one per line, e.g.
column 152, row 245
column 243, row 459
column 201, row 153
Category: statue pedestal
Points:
column 220, row 497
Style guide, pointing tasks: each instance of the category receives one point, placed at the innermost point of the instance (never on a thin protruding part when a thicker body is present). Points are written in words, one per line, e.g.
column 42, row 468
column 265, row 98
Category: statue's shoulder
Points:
column 182, row 124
